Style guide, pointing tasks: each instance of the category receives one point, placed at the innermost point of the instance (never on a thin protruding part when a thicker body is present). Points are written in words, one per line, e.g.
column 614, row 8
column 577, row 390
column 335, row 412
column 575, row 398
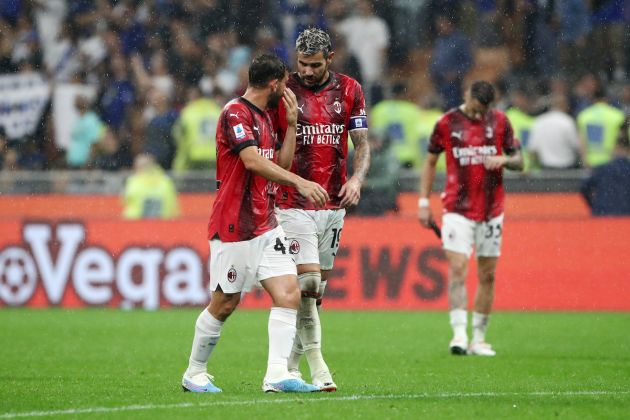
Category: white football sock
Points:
column 296, row 354
column 480, row 326
column 281, row 337
column 207, row 332
column 310, row 332
column 459, row 320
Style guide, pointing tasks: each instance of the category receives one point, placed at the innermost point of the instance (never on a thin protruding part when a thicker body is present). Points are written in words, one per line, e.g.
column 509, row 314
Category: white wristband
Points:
column 423, row 202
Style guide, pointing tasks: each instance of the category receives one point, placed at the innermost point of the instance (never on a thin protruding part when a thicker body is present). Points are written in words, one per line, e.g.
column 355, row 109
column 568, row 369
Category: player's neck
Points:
column 257, row 97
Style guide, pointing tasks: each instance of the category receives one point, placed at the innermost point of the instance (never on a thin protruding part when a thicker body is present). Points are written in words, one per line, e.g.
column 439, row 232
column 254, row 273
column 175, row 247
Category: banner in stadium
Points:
column 386, row 263
column 23, row 98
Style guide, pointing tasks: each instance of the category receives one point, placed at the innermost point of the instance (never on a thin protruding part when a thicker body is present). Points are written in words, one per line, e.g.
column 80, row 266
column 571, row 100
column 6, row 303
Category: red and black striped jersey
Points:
column 244, row 205
column 326, row 114
column 472, row 190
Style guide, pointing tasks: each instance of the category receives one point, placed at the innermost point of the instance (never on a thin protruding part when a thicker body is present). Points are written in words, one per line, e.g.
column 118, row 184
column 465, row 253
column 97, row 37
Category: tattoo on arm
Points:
column 361, row 161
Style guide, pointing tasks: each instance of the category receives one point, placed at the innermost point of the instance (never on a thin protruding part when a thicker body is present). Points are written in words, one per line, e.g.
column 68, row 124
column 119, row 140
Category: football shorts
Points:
column 313, row 235
column 239, row 266
column 460, row 234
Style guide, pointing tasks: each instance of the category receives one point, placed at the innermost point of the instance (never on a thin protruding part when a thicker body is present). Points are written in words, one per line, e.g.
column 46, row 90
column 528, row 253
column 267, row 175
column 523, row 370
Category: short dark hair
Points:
column 313, row 40
column 264, row 68
column 483, row 92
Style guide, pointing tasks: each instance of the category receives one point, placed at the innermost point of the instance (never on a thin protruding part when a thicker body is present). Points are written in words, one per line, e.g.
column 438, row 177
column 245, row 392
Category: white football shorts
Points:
column 460, row 234
column 313, row 235
column 239, row 266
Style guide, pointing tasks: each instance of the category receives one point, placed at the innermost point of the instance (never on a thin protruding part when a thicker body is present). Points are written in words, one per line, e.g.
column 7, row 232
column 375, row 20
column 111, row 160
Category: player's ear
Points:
column 330, row 57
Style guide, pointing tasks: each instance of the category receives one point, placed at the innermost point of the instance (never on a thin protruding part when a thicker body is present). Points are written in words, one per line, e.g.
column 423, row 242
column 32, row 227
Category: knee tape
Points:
column 310, row 284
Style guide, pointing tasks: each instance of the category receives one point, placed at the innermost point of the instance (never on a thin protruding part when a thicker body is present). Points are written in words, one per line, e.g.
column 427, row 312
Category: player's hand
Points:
column 492, row 163
column 350, row 193
column 314, row 192
column 425, row 216
column 290, row 105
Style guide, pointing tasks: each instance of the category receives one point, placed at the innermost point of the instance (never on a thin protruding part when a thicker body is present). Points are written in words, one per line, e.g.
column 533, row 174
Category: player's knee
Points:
column 288, row 298
column 458, row 271
column 486, row 277
column 222, row 310
column 310, row 283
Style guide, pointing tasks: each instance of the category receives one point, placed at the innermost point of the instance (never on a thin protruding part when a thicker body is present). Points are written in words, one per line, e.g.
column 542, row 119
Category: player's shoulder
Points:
column 344, row 80
column 237, row 108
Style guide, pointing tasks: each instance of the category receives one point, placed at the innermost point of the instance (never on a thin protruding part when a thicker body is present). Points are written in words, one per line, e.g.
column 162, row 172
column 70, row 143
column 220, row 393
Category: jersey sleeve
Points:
column 358, row 117
column 239, row 129
column 438, row 137
column 510, row 144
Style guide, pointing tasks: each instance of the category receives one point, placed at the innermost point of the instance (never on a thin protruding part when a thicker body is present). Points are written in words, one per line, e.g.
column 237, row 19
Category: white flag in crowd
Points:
column 23, row 99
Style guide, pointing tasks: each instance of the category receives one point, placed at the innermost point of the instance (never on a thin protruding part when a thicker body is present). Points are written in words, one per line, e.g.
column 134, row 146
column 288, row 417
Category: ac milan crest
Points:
column 294, row 247
column 231, row 275
column 337, row 106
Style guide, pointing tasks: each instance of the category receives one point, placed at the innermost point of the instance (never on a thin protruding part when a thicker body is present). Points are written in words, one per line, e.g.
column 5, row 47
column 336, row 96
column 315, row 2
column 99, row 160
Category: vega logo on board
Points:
column 57, row 257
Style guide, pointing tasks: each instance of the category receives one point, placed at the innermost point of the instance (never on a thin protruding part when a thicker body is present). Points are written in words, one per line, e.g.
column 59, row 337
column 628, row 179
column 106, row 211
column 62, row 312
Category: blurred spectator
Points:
column 608, row 37
column 519, row 114
column 430, row 113
column 574, row 26
column 554, row 142
column 397, row 119
column 158, row 76
column 109, row 153
column 607, row 190
column 4, row 149
column 158, row 137
column 195, row 133
column 450, row 62
column 85, row 132
column 149, row 192
column 345, row 62
column 380, row 189
column 599, row 125
column 367, row 37
column 118, row 93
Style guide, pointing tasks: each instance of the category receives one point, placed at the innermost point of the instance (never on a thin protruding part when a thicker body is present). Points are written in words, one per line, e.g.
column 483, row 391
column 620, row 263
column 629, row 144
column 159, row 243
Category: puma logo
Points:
column 233, row 115
column 256, row 129
column 457, row 134
column 300, row 108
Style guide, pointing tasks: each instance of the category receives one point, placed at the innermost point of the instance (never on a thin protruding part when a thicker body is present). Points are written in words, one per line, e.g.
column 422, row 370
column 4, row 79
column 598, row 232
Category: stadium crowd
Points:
column 120, row 78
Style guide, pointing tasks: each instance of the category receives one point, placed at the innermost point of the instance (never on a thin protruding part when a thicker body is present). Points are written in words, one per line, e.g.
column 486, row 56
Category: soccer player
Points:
column 330, row 106
column 478, row 142
column 246, row 243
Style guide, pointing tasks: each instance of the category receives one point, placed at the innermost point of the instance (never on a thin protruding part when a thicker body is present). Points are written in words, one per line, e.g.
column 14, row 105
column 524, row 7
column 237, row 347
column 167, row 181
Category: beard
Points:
column 274, row 99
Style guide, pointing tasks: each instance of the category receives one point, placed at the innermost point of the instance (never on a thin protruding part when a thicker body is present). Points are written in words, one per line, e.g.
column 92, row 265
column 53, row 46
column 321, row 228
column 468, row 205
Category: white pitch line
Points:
column 92, row 410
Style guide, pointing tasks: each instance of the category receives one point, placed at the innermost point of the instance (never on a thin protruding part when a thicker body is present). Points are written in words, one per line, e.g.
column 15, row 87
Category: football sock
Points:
column 281, row 337
column 480, row 325
column 296, row 354
column 459, row 319
column 207, row 332
column 308, row 325
column 320, row 292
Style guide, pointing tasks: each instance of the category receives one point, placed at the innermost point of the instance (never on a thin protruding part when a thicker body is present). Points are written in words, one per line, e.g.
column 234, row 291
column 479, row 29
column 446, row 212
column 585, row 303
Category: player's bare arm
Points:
column 287, row 151
column 261, row 166
column 426, row 184
column 513, row 162
column 350, row 192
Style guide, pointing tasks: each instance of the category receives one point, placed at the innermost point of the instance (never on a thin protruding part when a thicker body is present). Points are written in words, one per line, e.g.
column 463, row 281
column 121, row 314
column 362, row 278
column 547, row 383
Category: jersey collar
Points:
column 317, row 88
column 251, row 105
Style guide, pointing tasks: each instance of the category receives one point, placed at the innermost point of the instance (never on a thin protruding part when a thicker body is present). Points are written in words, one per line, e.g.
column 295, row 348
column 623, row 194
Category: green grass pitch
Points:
column 128, row 364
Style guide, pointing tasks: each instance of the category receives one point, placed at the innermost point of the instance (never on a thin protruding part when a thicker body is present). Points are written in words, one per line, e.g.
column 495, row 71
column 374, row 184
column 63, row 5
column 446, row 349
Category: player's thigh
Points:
column 232, row 265
column 301, row 231
column 331, row 225
column 276, row 271
column 275, row 257
column 458, row 233
column 489, row 237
